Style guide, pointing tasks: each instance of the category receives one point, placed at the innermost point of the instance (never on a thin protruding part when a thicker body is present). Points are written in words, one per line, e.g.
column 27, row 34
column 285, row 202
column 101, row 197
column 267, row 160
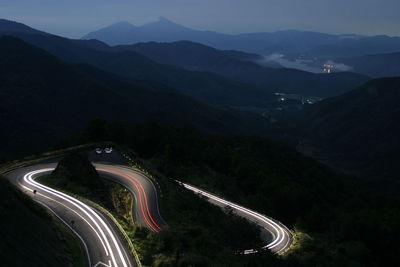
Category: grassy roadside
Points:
column 192, row 224
column 299, row 238
column 73, row 245
column 30, row 236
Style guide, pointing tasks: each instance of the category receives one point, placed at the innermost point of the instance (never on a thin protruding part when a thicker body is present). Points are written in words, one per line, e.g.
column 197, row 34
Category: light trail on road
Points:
column 281, row 235
column 101, row 243
column 142, row 195
column 109, row 251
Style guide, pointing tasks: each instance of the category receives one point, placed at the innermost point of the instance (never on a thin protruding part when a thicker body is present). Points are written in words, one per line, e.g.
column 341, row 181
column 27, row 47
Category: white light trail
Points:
column 28, row 178
column 278, row 236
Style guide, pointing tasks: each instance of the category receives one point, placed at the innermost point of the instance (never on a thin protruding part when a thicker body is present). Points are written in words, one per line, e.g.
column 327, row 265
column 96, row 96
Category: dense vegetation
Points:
column 359, row 131
column 198, row 232
column 76, row 174
column 30, row 236
column 347, row 224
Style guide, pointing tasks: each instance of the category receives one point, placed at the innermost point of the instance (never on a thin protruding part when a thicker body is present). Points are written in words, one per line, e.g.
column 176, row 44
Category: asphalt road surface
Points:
column 100, row 237
column 146, row 210
column 277, row 236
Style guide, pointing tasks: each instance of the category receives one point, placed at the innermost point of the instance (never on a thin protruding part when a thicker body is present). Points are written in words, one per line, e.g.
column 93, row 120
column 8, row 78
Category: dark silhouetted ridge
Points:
column 359, row 131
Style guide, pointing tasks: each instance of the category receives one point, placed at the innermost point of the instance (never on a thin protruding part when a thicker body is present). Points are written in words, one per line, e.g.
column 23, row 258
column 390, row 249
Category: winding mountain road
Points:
column 103, row 243
column 101, row 238
column 146, row 210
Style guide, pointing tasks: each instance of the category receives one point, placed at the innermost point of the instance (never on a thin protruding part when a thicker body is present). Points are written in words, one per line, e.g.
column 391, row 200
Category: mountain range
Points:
column 230, row 64
column 251, row 85
column 45, row 99
column 206, row 87
column 177, row 83
column 291, row 43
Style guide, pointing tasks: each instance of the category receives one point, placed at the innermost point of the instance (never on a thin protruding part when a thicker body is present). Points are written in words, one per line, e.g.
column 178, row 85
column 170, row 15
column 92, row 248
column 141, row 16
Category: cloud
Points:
column 340, row 66
column 273, row 57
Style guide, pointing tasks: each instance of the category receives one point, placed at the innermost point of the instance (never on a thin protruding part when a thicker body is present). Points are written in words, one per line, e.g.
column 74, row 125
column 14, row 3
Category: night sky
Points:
column 74, row 18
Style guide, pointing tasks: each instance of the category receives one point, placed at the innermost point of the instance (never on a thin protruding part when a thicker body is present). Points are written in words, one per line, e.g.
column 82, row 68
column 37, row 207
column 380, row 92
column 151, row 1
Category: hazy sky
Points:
column 74, row 18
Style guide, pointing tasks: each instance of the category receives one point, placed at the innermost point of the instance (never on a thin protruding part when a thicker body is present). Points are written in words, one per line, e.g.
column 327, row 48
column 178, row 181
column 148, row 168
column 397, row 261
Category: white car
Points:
column 99, row 150
column 108, row 150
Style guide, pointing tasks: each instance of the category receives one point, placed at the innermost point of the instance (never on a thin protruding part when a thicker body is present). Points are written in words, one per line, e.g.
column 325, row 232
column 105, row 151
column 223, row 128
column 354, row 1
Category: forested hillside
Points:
column 341, row 216
column 29, row 236
column 44, row 99
column 359, row 131
column 197, row 57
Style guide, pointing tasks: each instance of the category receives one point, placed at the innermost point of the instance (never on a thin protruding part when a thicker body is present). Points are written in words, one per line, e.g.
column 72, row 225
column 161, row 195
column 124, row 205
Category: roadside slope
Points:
column 29, row 235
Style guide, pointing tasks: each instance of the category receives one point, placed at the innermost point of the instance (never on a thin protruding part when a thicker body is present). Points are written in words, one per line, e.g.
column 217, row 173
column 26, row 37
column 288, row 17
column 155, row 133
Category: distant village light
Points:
column 328, row 68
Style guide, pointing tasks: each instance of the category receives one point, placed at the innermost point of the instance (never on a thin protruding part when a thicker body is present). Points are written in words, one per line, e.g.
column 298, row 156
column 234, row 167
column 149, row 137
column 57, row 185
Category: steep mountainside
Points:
column 191, row 55
column 359, row 131
column 46, row 99
column 13, row 26
column 28, row 234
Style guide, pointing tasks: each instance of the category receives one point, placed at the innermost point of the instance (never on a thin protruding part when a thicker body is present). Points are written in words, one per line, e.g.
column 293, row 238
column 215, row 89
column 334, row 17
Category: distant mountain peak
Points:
column 164, row 19
column 115, row 31
column 123, row 24
column 164, row 22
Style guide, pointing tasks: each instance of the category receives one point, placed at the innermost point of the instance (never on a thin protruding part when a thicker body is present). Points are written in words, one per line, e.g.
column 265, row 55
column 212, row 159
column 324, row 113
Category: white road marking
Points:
column 102, row 263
